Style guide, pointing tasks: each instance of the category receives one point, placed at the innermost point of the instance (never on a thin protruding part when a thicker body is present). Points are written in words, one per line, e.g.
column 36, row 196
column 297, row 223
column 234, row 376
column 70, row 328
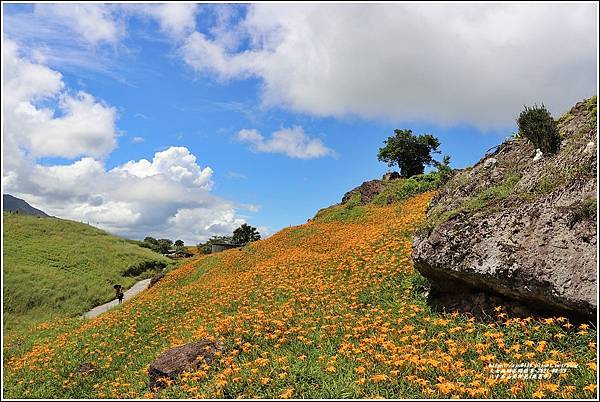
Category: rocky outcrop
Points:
column 520, row 225
column 389, row 176
column 175, row 361
column 367, row 191
column 155, row 279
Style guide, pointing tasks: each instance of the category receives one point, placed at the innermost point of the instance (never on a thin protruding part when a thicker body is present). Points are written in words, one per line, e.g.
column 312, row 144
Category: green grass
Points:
column 55, row 268
column 485, row 200
column 348, row 212
column 399, row 190
column 592, row 105
column 493, row 194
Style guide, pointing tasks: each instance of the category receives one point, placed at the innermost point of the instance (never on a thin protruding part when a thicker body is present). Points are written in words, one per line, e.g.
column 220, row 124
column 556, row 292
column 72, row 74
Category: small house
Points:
column 218, row 247
column 178, row 254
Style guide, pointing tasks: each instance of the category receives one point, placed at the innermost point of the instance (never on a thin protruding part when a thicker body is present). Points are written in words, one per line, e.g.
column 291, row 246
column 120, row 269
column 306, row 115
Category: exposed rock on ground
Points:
column 391, row 176
column 520, row 228
column 187, row 357
column 155, row 279
column 85, row 369
column 368, row 190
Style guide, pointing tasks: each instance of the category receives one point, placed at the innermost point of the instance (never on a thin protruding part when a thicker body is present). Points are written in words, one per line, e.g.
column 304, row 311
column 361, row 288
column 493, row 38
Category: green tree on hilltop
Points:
column 164, row 245
column 245, row 234
column 409, row 152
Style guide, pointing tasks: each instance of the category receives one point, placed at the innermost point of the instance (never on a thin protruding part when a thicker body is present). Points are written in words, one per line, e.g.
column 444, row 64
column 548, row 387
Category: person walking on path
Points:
column 119, row 291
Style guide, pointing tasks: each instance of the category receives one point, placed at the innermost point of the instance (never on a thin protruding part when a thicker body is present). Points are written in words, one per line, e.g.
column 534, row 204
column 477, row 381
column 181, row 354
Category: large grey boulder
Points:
column 520, row 228
column 187, row 357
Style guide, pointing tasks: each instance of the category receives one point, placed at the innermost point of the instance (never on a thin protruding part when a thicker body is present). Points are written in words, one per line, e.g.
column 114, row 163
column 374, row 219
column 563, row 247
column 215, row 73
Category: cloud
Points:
column 87, row 128
column 250, row 207
column 446, row 63
column 176, row 163
column 94, row 22
column 137, row 140
column 77, row 125
column 76, row 37
column 236, row 175
column 206, row 220
column 175, row 19
column 166, row 196
column 170, row 199
column 292, row 142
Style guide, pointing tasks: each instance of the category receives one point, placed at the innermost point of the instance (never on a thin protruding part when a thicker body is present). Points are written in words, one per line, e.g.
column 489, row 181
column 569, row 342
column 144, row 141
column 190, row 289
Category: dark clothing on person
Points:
column 120, row 294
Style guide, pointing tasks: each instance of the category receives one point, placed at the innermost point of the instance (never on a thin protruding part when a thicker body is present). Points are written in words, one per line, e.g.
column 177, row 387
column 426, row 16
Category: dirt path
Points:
column 134, row 290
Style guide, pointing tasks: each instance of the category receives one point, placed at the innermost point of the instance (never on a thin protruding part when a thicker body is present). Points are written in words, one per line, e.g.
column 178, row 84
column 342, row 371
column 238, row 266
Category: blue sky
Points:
column 197, row 76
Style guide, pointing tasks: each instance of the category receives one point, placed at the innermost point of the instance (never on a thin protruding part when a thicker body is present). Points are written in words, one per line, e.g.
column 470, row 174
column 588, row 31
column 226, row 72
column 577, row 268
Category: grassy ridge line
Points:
column 55, row 268
column 331, row 308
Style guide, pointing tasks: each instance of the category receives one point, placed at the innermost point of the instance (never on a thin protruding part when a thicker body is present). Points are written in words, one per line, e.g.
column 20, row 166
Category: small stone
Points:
column 490, row 163
column 85, row 368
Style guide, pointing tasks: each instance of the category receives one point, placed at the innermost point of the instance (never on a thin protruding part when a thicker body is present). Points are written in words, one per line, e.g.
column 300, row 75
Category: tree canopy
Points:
column 409, row 152
column 245, row 234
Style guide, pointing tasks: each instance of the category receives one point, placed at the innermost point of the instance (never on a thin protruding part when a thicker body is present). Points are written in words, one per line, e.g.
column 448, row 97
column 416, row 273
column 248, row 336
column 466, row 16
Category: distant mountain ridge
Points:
column 12, row 204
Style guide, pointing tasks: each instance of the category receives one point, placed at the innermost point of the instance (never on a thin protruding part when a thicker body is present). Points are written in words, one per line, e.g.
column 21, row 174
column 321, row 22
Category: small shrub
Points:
column 537, row 125
column 143, row 266
column 584, row 211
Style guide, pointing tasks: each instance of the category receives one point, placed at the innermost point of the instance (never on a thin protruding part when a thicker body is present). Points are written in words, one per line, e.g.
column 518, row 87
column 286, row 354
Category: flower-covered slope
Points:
column 332, row 308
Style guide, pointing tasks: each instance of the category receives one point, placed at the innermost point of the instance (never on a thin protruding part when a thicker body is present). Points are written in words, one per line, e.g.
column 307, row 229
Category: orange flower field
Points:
column 328, row 309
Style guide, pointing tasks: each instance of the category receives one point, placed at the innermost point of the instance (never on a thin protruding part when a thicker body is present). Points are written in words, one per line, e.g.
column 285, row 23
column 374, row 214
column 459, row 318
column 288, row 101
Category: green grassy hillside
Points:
column 54, row 268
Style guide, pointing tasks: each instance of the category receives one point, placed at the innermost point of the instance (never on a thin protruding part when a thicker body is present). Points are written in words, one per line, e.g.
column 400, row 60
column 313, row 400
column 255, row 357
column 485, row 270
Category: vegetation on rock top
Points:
column 515, row 178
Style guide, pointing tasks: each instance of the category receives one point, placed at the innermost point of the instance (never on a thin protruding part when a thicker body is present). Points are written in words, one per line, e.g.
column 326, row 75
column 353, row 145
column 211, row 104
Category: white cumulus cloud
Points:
column 94, row 22
column 78, row 125
column 447, row 63
column 293, row 142
column 174, row 19
column 176, row 163
column 167, row 196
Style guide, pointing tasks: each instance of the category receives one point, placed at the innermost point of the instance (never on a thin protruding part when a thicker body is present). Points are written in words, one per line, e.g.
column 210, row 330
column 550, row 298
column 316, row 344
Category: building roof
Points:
column 227, row 244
